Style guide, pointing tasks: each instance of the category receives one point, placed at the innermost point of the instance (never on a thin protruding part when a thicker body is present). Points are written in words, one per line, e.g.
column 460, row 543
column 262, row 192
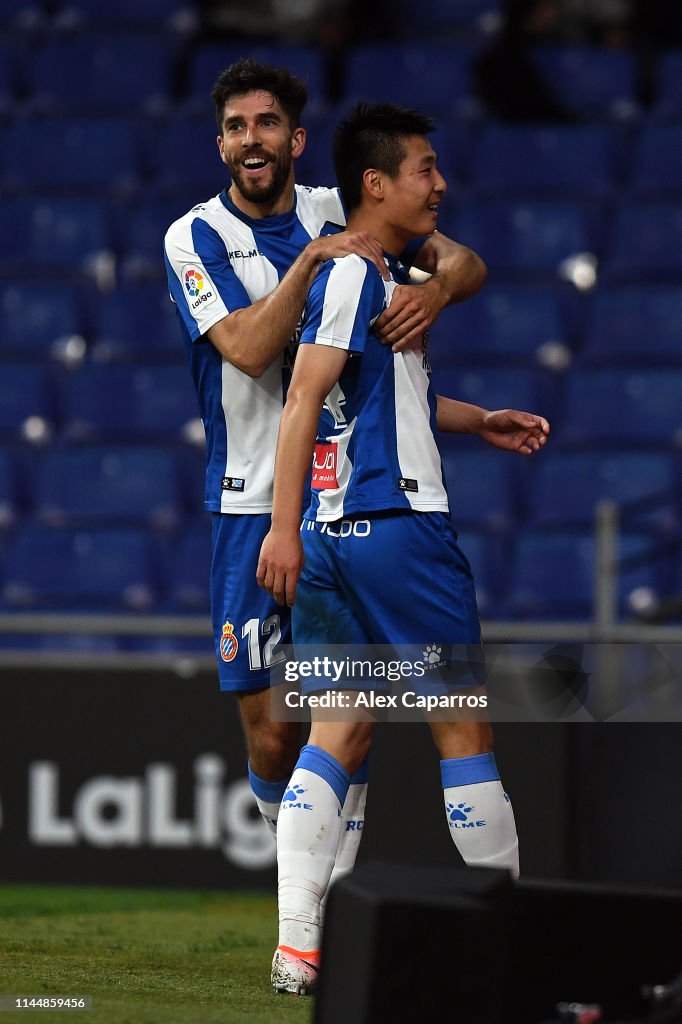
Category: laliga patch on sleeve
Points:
column 198, row 286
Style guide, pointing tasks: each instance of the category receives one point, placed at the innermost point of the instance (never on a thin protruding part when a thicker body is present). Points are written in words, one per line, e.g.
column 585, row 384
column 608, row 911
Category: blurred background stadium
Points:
column 560, row 135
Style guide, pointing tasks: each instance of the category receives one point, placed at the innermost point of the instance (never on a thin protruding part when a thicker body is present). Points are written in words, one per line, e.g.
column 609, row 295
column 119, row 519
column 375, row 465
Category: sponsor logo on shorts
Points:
column 229, row 645
column 432, row 655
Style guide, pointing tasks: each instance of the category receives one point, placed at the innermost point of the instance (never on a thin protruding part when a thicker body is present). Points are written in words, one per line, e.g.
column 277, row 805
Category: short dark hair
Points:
column 248, row 75
column 372, row 136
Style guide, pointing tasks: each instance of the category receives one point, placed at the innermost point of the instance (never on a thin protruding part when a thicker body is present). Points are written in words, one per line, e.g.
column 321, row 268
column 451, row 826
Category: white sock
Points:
column 352, row 824
column 308, row 832
column 268, row 797
column 479, row 812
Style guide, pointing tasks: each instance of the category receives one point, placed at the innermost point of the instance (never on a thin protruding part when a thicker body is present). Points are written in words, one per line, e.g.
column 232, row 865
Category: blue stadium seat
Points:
column 195, row 167
column 657, row 161
column 594, row 82
column 95, row 155
column 36, row 324
column 128, row 403
column 141, row 233
column 63, row 235
column 207, row 60
column 192, row 464
column 108, row 486
column 481, row 486
column 152, row 15
column 530, row 239
column 435, row 21
column 568, row 486
column 485, row 554
column 488, row 387
column 668, row 99
column 563, row 161
column 553, row 574
column 190, row 567
column 101, row 74
column 504, row 325
column 11, row 60
column 645, row 243
column 136, row 322
column 27, row 402
column 315, row 166
column 636, row 323
column 626, row 407
column 89, row 570
column 10, row 490
column 434, row 79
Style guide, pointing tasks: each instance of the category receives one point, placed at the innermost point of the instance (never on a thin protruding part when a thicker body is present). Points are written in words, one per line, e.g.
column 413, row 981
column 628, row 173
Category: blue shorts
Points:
column 391, row 579
column 251, row 631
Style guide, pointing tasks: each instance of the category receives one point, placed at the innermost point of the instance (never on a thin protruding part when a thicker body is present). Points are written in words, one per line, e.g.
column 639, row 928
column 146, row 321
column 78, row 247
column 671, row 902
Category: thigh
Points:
column 322, row 612
column 251, row 630
column 411, row 583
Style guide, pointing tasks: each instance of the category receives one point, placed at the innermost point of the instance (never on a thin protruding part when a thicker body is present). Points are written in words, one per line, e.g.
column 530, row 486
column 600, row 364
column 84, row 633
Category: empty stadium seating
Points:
column 108, row 486
column 556, row 161
column 553, row 575
column 593, row 82
column 107, row 134
column 100, row 74
column 129, row 403
column 84, row 570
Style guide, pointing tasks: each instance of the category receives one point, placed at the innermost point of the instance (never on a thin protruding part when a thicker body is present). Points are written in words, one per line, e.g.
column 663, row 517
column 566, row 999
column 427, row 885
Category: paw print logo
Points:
column 293, row 793
column 458, row 813
column 432, row 654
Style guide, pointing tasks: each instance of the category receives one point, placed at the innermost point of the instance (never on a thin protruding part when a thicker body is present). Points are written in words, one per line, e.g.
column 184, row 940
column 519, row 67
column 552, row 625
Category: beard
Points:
column 262, row 192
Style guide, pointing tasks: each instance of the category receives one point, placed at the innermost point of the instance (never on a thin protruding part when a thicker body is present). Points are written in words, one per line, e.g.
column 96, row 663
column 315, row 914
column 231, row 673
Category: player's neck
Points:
column 393, row 242
column 283, row 203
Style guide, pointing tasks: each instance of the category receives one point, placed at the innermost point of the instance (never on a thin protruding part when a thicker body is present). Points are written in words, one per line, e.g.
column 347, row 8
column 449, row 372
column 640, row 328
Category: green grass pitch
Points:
column 145, row 956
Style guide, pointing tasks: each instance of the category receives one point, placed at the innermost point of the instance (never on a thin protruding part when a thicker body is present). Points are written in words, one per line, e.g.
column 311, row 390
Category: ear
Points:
column 221, row 148
column 373, row 183
column 298, row 142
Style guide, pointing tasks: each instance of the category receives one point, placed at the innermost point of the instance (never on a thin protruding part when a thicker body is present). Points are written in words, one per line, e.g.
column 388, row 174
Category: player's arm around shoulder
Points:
column 251, row 337
column 457, row 273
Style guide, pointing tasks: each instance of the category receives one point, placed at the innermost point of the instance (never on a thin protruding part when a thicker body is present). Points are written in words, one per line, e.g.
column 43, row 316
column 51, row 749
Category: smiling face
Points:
column 410, row 200
column 258, row 146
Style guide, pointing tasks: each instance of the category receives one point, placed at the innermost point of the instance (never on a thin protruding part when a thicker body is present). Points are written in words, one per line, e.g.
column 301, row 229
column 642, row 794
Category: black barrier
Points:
column 133, row 778
column 139, row 778
column 424, row 943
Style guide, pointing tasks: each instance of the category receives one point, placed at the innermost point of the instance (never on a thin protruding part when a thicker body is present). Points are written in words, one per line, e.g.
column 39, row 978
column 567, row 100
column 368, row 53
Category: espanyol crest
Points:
column 229, row 645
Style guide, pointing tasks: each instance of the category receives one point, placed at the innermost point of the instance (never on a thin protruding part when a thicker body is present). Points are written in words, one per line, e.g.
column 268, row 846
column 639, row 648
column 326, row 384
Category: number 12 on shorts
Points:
column 270, row 629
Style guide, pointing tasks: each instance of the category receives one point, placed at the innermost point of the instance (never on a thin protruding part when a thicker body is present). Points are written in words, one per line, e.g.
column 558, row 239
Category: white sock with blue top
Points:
column 479, row 812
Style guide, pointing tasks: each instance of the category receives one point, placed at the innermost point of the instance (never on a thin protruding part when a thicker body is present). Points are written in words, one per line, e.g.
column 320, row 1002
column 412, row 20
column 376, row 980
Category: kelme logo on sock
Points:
column 292, row 799
column 458, row 817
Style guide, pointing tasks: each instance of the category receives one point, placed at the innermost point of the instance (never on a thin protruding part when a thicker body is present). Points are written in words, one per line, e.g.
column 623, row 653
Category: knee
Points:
column 273, row 749
column 463, row 740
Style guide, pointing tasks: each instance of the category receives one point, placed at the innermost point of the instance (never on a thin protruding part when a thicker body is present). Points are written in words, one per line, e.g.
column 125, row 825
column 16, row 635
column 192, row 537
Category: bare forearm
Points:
column 458, row 417
column 457, row 272
column 252, row 337
column 295, row 445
